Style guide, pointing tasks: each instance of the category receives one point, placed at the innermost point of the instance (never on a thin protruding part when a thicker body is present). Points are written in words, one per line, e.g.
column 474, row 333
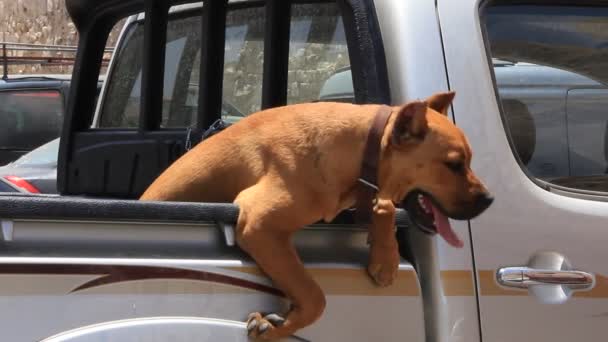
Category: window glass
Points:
column 319, row 66
column 550, row 66
column 244, row 55
column 122, row 105
column 29, row 118
column 243, row 63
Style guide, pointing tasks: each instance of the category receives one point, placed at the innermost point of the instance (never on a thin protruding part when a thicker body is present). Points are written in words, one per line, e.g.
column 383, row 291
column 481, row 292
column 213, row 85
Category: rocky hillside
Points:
column 39, row 22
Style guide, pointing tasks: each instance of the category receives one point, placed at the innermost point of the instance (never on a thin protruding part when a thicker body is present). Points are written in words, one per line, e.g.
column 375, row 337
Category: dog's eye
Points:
column 455, row 166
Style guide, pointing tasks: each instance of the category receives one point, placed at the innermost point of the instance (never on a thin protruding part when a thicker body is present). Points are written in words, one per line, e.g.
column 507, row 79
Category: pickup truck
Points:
column 95, row 264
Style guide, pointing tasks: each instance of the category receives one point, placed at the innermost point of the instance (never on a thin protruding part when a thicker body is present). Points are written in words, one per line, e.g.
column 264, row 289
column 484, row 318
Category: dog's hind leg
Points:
column 262, row 232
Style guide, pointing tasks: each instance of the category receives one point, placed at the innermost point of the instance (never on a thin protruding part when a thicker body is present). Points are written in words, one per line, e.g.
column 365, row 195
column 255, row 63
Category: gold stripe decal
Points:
column 454, row 282
column 353, row 282
column 458, row 283
column 600, row 290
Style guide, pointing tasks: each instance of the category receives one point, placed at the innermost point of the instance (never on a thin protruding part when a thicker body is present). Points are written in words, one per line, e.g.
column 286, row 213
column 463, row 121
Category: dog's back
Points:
column 323, row 141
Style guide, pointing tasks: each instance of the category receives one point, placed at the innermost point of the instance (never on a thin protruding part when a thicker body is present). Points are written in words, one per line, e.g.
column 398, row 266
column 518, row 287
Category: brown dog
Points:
column 291, row 166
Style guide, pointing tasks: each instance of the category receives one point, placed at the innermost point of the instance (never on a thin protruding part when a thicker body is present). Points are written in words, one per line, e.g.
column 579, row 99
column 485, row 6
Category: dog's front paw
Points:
column 383, row 265
column 262, row 327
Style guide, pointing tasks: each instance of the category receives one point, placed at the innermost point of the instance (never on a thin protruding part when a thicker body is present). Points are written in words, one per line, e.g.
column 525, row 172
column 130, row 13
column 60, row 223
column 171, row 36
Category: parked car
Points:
column 533, row 265
column 31, row 112
column 34, row 172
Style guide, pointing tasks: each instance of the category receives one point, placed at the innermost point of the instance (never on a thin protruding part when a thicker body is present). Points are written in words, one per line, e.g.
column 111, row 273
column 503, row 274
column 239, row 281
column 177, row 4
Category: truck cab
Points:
column 93, row 263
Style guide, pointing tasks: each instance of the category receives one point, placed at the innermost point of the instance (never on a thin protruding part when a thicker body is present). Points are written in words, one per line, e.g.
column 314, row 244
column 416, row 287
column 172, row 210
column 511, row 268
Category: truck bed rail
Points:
column 79, row 208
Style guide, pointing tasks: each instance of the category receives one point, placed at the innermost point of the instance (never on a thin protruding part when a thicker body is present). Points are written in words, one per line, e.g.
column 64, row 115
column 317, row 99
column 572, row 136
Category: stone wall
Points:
column 39, row 22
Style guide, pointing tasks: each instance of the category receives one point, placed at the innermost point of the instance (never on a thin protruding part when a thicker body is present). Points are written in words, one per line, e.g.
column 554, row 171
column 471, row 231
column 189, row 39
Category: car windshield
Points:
column 43, row 155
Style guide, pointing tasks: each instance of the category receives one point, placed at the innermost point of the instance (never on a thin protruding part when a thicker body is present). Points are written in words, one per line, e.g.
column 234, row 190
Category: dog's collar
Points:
column 368, row 178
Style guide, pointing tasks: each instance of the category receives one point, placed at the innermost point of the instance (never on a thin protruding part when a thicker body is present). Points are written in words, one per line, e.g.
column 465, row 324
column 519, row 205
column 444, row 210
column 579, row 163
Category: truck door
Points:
column 531, row 82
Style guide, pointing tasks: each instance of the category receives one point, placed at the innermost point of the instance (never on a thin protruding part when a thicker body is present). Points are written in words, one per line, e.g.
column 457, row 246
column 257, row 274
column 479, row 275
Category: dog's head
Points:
column 426, row 164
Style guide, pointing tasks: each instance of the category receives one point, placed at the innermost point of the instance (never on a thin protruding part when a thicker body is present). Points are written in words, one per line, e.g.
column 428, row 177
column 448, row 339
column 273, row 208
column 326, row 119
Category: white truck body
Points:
column 90, row 278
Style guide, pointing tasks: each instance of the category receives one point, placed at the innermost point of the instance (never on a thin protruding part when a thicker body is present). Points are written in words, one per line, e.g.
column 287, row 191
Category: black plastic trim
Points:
column 366, row 51
column 74, row 208
column 276, row 53
column 153, row 65
column 41, row 207
column 133, row 159
column 81, row 100
column 212, row 62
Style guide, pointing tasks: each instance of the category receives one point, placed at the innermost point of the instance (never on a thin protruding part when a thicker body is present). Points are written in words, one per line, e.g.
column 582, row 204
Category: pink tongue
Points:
column 443, row 226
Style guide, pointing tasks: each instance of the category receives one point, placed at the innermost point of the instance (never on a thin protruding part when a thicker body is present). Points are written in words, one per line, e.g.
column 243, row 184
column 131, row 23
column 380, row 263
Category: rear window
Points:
column 318, row 65
column 29, row 118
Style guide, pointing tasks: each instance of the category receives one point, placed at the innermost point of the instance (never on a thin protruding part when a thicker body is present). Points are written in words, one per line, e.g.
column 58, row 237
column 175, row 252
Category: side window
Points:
column 29, row 118
column 552, row 81
column 319, row 66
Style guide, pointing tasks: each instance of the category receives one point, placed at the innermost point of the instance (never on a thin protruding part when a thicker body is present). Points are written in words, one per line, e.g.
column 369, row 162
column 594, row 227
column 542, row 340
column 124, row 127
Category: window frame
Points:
column 545, row 185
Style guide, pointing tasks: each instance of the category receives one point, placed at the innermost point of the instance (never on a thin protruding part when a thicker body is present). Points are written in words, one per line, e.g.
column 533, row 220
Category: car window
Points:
column 29, row 118
column 551, row 76
column 122, row 104
column 45, row 155
column 242, row 73
column 243, row 63
column 318, row 58
column 318, row 55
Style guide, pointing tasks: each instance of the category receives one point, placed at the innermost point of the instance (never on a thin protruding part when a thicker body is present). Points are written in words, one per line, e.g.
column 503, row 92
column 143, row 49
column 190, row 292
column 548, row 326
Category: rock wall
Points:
column 39, row 22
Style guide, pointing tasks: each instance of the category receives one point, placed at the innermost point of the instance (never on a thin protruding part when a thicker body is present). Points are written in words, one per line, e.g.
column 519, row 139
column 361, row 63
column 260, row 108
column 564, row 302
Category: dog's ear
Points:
column 410, row 123
column 441, row 102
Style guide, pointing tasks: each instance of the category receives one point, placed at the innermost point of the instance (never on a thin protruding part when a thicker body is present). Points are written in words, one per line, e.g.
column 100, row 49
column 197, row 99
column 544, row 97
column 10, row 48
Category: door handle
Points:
column 549, row 277
column 524, row 277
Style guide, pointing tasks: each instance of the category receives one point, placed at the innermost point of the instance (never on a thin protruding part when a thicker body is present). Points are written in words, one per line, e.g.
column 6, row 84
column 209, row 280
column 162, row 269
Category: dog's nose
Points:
column 483, row 201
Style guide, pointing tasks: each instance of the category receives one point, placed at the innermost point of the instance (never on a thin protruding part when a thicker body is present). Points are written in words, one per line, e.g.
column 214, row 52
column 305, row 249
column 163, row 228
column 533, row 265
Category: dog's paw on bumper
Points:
column 260, row 326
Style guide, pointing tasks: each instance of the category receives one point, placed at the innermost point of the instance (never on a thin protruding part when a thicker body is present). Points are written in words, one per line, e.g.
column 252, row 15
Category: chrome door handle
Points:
column 524, row 277
column 549, row 277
